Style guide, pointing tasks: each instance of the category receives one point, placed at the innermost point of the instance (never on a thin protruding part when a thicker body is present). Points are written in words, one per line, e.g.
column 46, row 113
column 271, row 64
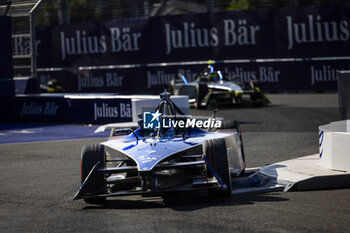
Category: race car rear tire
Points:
column 90, row 155
column 216, row 154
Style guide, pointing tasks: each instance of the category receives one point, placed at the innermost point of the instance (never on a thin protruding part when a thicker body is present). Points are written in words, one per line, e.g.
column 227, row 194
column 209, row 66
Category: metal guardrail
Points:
column 22, row 12
column 19, row 8
column 6, row 6
column 32, row 36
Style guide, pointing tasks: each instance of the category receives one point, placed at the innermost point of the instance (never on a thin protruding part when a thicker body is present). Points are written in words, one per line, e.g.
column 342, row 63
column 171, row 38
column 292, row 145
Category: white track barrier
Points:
column 327, row 170
column 334, row 142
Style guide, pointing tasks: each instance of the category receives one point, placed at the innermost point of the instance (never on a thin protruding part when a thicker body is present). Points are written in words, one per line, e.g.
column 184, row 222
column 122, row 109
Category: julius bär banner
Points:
column 62, row 108
column 124, row 55
column 315, row 31
column 272, row 76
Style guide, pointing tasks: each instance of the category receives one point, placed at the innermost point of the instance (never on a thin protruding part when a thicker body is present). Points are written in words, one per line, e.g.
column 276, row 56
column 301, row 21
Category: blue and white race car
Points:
column 167, row 152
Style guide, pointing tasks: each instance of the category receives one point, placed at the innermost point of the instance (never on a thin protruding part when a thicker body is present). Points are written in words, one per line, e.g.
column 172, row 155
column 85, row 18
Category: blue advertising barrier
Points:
column 303, row 75
column 60, row 108
column 100, row 110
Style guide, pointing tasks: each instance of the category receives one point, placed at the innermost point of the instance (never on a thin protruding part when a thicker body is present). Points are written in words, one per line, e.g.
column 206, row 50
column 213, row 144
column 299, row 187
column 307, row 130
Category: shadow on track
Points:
column 189, row 201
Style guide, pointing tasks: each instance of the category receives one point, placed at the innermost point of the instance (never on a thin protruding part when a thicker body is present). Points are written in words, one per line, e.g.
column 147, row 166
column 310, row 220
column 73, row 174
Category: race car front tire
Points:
column 96, row 184
column 230, row 124
column 201, row 92
column 216, row 154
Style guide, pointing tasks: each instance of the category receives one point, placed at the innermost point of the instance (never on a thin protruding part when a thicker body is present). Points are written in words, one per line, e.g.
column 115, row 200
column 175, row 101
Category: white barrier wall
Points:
column 334, row 145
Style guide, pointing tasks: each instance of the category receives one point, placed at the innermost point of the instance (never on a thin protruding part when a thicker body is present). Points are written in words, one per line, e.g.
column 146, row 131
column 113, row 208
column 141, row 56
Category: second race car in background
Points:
column 213, row 88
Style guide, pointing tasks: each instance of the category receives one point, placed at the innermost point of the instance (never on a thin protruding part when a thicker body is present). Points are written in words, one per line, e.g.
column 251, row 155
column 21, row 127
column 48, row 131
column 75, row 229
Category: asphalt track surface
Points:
column 38, row 181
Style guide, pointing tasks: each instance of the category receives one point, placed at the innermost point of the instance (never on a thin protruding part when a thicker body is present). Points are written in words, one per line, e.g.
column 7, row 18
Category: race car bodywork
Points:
column 213, row 88
column 158, row 161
